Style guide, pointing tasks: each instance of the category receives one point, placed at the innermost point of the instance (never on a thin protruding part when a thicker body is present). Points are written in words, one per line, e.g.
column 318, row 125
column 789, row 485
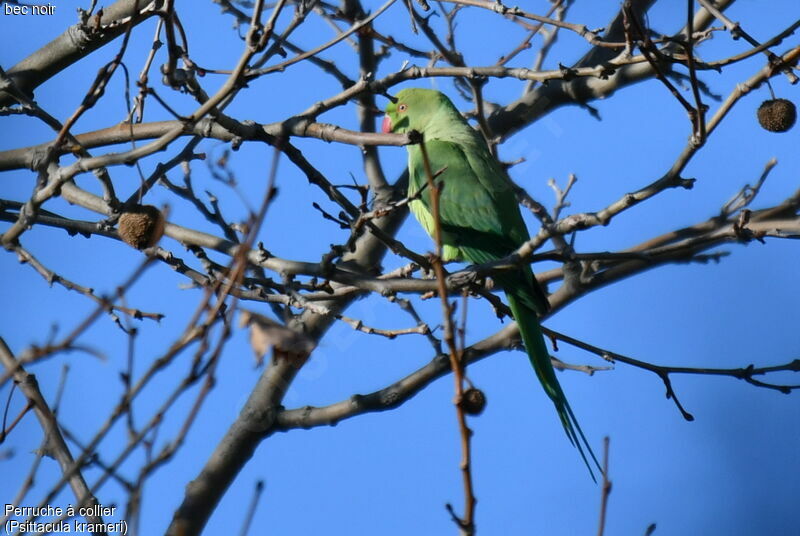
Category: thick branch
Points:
column 78, row 41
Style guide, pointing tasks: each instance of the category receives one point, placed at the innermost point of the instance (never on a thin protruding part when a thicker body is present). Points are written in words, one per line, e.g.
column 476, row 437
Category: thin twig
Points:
column 605, row 490
column 457, row 364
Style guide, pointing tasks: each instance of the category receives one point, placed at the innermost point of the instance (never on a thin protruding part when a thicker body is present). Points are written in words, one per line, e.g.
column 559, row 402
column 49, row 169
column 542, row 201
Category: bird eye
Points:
column 402, row 108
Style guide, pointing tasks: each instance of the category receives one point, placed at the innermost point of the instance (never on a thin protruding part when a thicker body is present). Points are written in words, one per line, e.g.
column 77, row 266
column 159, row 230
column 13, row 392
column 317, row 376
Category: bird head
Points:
column 416, row 109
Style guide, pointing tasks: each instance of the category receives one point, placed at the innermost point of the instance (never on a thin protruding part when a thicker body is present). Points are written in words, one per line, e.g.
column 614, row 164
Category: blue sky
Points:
column 731, row 471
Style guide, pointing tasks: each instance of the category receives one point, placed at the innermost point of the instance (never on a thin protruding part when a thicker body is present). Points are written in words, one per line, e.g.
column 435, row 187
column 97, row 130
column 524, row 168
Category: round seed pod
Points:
column 777, row 115
column 141, row 226
column 473, row 401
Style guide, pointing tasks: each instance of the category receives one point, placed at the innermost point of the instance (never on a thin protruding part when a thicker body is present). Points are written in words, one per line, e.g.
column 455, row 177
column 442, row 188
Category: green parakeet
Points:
column 480, row 220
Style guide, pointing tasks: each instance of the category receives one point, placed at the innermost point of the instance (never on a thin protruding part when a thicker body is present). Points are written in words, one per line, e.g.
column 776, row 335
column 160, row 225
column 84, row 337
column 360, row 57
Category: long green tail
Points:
column 532, row 336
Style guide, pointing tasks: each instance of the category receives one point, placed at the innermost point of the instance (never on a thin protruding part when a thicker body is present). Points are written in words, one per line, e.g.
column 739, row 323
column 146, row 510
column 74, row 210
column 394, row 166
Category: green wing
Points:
column 481, row 221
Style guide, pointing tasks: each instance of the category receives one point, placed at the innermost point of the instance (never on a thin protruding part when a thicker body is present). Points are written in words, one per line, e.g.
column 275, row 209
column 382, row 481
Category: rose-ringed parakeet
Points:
column 480, row 220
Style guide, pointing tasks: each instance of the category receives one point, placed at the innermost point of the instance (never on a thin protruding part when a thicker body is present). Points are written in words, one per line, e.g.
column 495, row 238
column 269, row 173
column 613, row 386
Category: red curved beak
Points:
column 386, row 127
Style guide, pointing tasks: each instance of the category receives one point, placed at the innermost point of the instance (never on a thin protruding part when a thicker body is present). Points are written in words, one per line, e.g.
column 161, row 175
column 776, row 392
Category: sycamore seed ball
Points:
column 777, row 115
column 474, row 401
column 141, row 226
